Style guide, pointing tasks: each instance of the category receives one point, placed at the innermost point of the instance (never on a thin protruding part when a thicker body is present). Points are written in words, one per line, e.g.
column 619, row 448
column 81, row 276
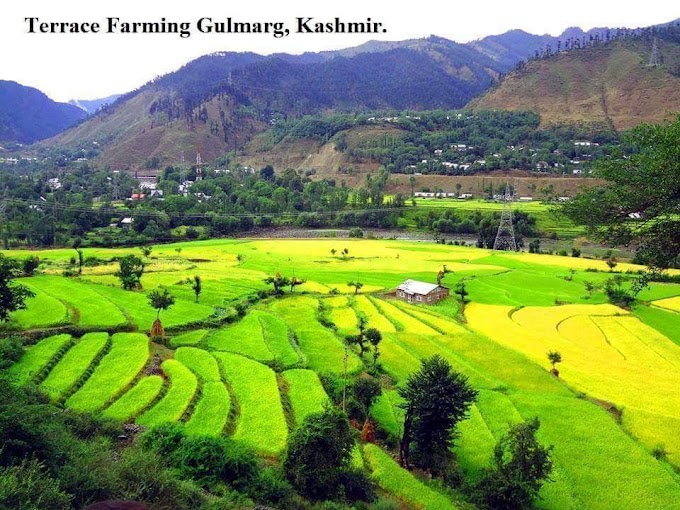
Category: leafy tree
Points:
column 436, row 399
column 374, row 337
column 146, row 250
column 161, row 300
column 611, row 263
column 520, row 467
column 79, row 252
column 333, row 251
column 278, row 282
column 554, row 357
column 318, row 452
column 590, row 286
column 197, row 286
column 640, row 200
column 356, row 284
column 461, row 291
column 130, row 272
column 294, row 282
column 12, row 297
column 366, row 389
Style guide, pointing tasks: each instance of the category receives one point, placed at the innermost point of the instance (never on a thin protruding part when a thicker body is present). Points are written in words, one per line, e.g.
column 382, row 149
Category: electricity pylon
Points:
column 505, row 237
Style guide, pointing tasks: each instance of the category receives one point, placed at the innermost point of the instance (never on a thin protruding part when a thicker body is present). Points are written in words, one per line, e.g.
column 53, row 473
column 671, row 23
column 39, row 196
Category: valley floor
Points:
column 613, row 414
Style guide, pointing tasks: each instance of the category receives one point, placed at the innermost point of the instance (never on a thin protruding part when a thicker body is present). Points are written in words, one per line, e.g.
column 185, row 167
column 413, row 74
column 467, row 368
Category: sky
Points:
column 88, row 66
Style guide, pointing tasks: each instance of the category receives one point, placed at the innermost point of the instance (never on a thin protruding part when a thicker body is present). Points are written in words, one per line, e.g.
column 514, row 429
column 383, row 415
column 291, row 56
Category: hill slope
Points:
column 609, row 83
column 219, row 101
column 28, row 115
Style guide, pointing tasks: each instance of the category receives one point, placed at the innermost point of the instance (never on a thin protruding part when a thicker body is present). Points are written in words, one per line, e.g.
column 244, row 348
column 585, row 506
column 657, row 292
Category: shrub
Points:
column 164, row 439
column 356, row 232
column 28, row 486
column 366, row 390
column 520, row 466
column 575, row 252
column 11, row 349
column 29, row 265
column 318, row 452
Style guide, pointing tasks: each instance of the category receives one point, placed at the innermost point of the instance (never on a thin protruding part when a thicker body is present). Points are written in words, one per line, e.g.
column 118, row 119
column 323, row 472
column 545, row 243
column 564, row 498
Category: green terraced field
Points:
column 190, row 338
column 74, row 364
column 396, row 480
column 261, row 422
column 323, row 350
column 631, row 359
column 92, row 310
column 37, row 357
column 128, row 355
column 305, row 392
column 183, row 386
column 136, row 400
column 42, row 311
column 200, row 362
column 211, row 412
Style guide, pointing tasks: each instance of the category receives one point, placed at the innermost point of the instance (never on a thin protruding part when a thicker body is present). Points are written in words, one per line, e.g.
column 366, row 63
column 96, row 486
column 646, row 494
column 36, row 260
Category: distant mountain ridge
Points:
column 610, row 84
column 28, row 115
column 219, row 101
column 91, row 106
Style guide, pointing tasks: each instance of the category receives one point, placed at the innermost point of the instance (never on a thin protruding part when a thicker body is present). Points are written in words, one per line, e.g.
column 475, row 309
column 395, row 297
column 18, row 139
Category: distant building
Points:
column 127, row 222
column 465, row 195
column 156, row 193
column 525, row 199
column 413, row 291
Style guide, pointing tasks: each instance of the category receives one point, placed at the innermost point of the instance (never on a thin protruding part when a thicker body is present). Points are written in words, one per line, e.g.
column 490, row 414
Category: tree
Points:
column 436, row 399
column 278, row 282
column 461, row 291
column 146, row 250
column 554, row 357
column 80, row 260
column 12, row 297
column 611, row 263
column 197, row 286
column 318, row 452
column 161, row 300
column 333, row 251
column 130, row 272
column 356, row 284
column 520, row 466
column 294, row 282
column 374, row 337
column 640, row 199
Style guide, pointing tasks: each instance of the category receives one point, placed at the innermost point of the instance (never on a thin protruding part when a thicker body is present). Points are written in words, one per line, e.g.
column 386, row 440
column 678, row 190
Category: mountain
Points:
column 28, row 115
column 91, row 106
column 610, row 83
column 219, row 101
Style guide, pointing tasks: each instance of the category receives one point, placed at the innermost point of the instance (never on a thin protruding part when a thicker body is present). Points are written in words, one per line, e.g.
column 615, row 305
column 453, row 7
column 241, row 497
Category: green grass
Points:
column 128, row 355
column 664, row 321
column 37, row 357
column 323, row 350
column 92, row 310
column 136, row 400
column 190, row 338
column 374, row 317
column 305, row 392
column 183, row 386
column 74, row 364
column 406, row 322
column 261, row 422
column 401, row 483
column 200, row 362
column 41, row 311
column 211, row 412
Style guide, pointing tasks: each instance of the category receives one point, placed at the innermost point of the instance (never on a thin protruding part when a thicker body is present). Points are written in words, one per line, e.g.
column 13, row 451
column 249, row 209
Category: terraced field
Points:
column 615, row 403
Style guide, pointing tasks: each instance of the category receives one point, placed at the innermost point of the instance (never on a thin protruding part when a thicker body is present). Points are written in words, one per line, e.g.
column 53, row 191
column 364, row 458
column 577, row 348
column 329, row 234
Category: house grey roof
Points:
column 416, row 287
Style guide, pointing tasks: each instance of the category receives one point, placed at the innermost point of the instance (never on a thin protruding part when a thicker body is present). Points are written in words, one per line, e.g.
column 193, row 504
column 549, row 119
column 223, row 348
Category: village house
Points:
column 413, row 291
